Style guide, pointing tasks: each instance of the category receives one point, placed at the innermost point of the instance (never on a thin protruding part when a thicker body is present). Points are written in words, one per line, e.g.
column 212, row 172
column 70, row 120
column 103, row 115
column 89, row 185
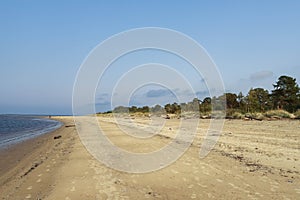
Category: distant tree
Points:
column 241, row 102
column 286, row 94
column 176, row 108
column 183, row 107
column 258, row 100
column 157, row 108
column 219, row 103
column 195, row 105
column 133, row 109
column 206, row 105
column 168, row 108
column 121, row 109
column 144, row 109
column 231, row 100
column 172, row 108
column 226, row 102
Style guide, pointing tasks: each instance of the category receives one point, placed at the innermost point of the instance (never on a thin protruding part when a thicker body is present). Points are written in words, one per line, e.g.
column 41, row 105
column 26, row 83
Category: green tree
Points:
column 133, row 109
column 219, row 103
column 157, row 109
column 258, row 100
column 195, row 105
column 183, row 107
column 206, row 105
column 144, row 109
column 121, row 109
column 172, row 108
column 286, row 94
column 231, row 100
column 241, row 102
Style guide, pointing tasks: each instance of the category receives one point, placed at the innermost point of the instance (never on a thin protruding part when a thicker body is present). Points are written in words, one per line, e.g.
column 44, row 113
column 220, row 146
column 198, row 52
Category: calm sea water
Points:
column 17, row 128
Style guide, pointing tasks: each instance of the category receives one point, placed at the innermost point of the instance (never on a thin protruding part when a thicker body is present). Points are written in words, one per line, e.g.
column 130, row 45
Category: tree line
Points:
column 284, row 96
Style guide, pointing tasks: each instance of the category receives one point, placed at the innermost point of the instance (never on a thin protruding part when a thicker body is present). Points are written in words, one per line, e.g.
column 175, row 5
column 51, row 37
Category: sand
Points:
column 252, row 160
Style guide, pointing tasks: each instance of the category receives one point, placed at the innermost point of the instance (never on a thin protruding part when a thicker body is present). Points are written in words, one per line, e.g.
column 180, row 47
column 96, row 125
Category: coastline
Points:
column 13, row 139
column 25, row 145
column 253, row 159
column 19, row 159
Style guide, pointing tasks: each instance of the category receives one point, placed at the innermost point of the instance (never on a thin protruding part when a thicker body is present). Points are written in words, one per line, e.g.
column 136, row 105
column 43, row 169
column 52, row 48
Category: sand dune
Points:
column 252, row 160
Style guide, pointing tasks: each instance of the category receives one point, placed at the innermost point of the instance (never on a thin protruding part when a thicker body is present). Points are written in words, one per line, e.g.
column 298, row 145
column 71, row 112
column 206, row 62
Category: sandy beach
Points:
column 252, row 160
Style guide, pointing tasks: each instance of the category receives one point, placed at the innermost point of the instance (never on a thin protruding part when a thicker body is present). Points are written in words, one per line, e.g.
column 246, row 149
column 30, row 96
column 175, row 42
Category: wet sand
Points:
column 252, row 160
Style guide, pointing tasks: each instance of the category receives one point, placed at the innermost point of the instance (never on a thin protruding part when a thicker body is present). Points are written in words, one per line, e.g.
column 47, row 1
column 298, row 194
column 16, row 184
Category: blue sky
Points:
column 43, row 44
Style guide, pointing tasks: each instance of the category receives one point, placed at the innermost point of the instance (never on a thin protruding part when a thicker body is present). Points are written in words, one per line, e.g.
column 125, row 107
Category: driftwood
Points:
column 57, row 137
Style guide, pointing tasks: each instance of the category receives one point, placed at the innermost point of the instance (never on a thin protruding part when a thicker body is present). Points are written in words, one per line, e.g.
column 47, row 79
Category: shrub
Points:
column 257, row 116
column 297, row 114
column 237, row 115
column 279, row 114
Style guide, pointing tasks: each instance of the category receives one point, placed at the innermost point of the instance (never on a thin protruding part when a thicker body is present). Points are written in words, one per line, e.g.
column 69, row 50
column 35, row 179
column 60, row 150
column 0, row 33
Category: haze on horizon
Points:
column 44, row 43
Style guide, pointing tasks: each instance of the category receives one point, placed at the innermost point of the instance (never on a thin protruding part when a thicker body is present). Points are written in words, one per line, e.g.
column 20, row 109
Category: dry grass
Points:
column 281, row 114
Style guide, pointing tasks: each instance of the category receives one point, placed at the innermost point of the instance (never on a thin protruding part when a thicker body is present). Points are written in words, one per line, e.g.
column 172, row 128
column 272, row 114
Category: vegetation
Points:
column 257, row 104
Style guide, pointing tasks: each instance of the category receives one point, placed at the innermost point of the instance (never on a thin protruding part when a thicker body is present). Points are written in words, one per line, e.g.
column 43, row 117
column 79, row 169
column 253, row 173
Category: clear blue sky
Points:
column 43, row 43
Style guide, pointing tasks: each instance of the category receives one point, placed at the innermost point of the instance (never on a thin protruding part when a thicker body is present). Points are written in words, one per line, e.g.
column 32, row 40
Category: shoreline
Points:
column 251, row 160
column 17, row 160
column 25, row 146
column 10, row 142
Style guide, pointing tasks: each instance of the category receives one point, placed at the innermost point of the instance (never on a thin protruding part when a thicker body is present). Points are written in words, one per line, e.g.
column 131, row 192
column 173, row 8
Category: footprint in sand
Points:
column 246, row 191
column 187, row 163
column 246, row 184
column 73, row 189
column 191, row 186
column 134, row 181
column 206, row 173
column 274, row 187
column 257, row 193
column 209, row 195
column 232, row 185
column 204, row 186
column 219, row 180
column 239, row 176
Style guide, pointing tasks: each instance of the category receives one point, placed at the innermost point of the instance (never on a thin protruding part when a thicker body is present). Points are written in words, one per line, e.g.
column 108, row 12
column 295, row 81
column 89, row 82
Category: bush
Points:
column 279, row 114
column 297, row 114
column 238, row 115
column 257, row 116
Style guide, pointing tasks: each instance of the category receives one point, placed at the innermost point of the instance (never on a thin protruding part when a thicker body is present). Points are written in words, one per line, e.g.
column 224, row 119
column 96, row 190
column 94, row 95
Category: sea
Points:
column 17, row 128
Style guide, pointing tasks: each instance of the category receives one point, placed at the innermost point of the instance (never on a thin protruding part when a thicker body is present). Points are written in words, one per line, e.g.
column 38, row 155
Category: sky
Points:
column 44, row 43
